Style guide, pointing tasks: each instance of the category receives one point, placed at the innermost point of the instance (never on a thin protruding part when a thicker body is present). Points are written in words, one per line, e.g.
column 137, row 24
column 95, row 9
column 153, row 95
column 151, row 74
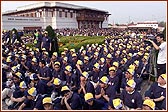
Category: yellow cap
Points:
column 102, row 60
column 74, row 55
column 164, row 76
column 141, row 49
column 65, row 49
column 34, row 60
column 68, row 68
column 65, row 59
column 118, row 52
column 132, row 67
column 46, row 32
column 14, row 68
column 136, row 62
column 27, row 47
column 57, row 82
column 55, row 54
column 145, row 57
column 96, row 53
column 86, row 58
column 32, row 91
column 37, row 49
column 130, row 54
column 139, row 53
column 116, row 64
column 22, row 85
column 131, row 83
column 112, row 68
column 146, row 54
column 8, row 59
column 109, row 56
column 117, row 103
column 125, row 59
column 88, row 97
column 124, row 51
column 57, row 63
column 18, row 74
column 24, row 56
column 104, row 79
column 79, row 62
column 72, row 50
column 97, row 65
column 65, row 88
column 149, row 103
column 46, row 53
column 43, row 49
column 131, row 71
column 62, row 53
column 47, row 100
column 85, row 74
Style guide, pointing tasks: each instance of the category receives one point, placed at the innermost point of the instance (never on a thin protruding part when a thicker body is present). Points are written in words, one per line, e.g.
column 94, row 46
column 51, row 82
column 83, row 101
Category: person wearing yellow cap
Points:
column 148, row 105
column 46, row 42
column 44, row 75
column 95, row 74
column 56, row 73
column 103, row 68
column 157, row 91
column 53, row 59
column 32, row 101
column 131, row 98
column 47, row 103
column 85, row 85
column 18, row 96
column 86, row 64
column 70, row 100
column 113, row 77
column 116, row 104
column 71, row 78
column 91, row 103
column 104, row 92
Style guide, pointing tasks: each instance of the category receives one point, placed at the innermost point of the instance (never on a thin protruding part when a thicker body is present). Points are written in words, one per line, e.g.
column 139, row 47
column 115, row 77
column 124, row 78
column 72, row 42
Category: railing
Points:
column 89, row 18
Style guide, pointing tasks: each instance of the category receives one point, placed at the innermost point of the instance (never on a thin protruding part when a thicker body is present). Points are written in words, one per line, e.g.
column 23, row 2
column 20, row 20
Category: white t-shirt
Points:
column 162, row 53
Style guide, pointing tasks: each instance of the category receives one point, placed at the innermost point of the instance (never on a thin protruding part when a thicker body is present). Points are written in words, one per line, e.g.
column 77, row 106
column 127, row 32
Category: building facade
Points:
column 58, row 15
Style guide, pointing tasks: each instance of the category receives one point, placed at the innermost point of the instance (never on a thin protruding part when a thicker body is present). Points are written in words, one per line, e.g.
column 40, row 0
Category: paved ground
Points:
column 145, row 85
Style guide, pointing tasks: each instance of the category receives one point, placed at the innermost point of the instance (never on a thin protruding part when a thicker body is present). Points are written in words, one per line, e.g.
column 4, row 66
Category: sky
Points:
column 121, row 12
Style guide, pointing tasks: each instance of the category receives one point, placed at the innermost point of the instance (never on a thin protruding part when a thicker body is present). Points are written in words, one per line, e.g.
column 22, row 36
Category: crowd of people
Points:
column 96, row 77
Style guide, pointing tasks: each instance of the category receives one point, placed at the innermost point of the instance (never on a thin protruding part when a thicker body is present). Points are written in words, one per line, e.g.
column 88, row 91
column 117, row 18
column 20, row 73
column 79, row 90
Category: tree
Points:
column 162, row 24
column 52, row 35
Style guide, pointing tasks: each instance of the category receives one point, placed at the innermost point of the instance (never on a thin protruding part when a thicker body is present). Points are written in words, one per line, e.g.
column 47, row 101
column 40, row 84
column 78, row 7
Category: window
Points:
column 66, row 14
column 60, row 14
column 71, row 14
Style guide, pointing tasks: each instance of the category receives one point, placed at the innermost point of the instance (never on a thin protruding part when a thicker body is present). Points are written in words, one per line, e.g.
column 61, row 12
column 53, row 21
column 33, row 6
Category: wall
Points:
column 10, row 22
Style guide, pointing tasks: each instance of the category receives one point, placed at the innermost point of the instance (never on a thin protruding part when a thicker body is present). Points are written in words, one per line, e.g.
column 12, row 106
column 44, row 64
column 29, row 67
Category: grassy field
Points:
column 77, row 41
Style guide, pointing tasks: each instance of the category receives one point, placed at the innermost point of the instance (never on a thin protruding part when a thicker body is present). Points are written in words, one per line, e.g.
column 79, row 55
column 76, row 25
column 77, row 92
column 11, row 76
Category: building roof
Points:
column 51, row 4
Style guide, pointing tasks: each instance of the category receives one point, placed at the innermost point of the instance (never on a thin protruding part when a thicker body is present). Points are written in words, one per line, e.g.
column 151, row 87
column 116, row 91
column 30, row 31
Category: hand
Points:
column 102, row 92
column 49, row 84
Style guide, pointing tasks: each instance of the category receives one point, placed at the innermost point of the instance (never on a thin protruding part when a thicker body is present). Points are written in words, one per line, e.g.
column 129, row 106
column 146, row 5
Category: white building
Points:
column 145, row 25
column 58, row 15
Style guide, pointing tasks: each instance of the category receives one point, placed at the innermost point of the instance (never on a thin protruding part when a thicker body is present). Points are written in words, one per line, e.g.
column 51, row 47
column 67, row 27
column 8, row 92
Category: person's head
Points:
column 96, row 67
column 162, row 79
column 86, row 59
column 45, row 33
column 160, row 38
column 65, row 60
column 112, row 71
column 34, row 61
column 22, row 86
column 130, row 85
column 34, row 78
column 66, row 92
column 42, row 63
column 101, row 61
column 57, row 82
column 57, row 66
column 129, row 73
column 54, row 56
column 104, row 82
column 68, row 70
column 47, row 103
column 84, row 76
column 116, row 104
column 17, row 77
column 31, row 93
column 89, row 98
column 148, row 105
